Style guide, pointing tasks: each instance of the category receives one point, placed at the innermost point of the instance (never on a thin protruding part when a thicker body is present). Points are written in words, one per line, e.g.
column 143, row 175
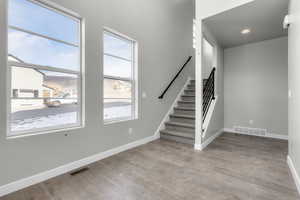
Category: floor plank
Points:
column 233, row 167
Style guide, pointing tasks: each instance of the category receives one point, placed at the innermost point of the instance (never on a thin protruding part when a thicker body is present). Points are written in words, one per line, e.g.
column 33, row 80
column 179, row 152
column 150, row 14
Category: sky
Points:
column 27, row 15
column 41, row 51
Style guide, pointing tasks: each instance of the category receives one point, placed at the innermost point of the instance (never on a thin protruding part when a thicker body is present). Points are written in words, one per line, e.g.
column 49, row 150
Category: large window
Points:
column 44, row 63
column 120, row 77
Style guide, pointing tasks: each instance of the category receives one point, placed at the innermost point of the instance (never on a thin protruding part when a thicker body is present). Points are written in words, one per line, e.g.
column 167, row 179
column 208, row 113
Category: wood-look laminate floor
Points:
column 233, row 167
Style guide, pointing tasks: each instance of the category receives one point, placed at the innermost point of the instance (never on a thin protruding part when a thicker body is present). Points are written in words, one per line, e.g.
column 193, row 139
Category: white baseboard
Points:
column 166, row 117
column 202, row 146
column 38, row 178
column 268, row 135
column 198, row 147
column 294, row 173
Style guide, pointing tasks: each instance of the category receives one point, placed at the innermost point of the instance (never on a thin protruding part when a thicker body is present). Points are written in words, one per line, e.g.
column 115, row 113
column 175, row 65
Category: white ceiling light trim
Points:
column 246, row 31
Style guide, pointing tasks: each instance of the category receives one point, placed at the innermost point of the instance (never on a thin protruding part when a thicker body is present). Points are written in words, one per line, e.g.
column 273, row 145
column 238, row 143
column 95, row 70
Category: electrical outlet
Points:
column 130, row 131
column 144, row 95
column 290, row 94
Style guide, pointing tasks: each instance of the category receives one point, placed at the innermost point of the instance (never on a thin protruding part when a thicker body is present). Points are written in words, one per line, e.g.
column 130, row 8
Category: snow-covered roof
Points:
column 13, row 58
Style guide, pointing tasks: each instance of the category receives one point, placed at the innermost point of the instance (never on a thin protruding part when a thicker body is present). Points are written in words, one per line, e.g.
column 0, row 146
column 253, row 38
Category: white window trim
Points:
column 81, row 74
column 133, row 81
column 41, row 67
column 43, row 36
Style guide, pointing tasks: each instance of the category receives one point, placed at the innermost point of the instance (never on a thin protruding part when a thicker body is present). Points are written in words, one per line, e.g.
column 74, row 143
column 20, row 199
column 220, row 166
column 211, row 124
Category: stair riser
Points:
column 187, row 105
column 188, row 98
column 178, row 139
column 184, row 112
column 180, row 128
column 189, row 92
column 191, row 87
column 182, row 120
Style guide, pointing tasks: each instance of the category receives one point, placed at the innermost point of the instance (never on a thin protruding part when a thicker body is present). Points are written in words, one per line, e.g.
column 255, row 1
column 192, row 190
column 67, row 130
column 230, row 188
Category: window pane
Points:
column 36, row 50
column 117, row 109
column 35, row 115
column 33, row 17
column 117, row 67
column 118, row 47
column 117, row 89
column 45, row 99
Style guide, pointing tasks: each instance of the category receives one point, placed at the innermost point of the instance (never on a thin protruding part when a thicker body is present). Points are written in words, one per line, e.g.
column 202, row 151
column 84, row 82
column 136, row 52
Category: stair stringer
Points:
column 209, row 116
column 170, row 111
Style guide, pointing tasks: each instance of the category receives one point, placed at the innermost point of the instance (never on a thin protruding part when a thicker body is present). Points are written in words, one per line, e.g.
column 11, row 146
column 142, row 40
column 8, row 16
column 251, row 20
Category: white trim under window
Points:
column 77, row 99
column 115, row 108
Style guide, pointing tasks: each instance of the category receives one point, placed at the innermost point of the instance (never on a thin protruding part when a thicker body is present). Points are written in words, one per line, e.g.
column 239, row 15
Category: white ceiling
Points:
column 263, row 17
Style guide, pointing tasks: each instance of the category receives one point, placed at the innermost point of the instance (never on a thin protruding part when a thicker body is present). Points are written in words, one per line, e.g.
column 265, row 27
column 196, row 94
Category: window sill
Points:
column 119, row 121
column 56, row 131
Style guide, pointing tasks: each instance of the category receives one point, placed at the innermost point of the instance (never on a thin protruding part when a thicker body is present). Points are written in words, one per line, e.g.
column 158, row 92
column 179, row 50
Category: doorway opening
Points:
column 252, row 58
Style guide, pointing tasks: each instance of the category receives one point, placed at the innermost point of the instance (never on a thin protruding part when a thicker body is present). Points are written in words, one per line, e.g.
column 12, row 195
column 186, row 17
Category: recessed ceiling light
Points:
column 246, row 31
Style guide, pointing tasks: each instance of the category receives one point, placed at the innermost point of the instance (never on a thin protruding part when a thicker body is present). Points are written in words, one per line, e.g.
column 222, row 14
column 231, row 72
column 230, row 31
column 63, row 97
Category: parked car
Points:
column 57, row 102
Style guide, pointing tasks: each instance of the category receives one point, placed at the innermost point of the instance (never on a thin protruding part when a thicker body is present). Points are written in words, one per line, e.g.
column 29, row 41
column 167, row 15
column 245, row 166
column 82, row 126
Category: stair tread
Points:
column 186, row 125
column 181, row 126
column 186, row 101
column 188, row 95
column 178, row 133
column 183, row 116
column 185, row 108
column 189, row 89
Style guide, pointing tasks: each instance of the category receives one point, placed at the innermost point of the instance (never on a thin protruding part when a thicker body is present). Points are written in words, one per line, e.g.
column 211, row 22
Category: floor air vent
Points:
column 250, row 131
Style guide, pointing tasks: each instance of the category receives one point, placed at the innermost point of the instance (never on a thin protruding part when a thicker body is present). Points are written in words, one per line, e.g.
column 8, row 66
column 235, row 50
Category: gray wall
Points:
column 164, row 32
column 217, row 120
column 294, row 85
column 256, row 85
column 208, row 58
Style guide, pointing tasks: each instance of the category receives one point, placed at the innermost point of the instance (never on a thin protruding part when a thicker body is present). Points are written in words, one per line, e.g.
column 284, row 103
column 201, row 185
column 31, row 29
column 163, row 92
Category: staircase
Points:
column 181, row 124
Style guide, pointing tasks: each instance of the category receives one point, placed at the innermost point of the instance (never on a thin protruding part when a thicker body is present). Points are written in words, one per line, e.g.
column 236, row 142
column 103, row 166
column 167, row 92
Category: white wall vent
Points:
column 250, row 131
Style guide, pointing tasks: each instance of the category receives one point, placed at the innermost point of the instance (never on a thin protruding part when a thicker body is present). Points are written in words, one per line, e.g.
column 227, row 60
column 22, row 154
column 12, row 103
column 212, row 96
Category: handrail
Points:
column 208, row 92
column 175, row 77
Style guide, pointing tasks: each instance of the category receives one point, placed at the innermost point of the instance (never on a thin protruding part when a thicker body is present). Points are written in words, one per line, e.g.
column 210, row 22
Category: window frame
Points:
column 81, row 73
column 133, row 80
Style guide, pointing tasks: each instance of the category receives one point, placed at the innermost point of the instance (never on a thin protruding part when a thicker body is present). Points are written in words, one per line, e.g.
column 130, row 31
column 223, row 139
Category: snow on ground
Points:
column 117, row 112
column 44, row 122
column 53, row 117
